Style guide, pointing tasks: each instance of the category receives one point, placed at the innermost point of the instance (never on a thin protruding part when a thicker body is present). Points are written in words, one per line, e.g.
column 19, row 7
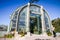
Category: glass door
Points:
column 35, row 23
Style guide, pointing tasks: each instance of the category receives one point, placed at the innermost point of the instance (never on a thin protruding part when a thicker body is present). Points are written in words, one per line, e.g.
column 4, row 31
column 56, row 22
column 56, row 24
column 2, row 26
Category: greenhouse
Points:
column 30, row 18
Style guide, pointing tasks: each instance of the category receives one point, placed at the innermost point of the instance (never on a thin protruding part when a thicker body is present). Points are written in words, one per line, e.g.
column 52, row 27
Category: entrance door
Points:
column 35, row 23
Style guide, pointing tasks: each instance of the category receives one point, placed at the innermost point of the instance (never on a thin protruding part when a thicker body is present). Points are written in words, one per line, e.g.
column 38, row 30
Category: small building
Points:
column 30, row 18
column 3, row 30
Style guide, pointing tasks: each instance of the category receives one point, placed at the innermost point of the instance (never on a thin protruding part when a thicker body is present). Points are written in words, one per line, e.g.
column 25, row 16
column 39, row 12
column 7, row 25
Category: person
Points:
column 54, row 33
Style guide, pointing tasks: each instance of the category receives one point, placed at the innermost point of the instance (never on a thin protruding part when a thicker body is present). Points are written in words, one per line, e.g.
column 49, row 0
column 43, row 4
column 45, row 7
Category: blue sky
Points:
column 7, row 7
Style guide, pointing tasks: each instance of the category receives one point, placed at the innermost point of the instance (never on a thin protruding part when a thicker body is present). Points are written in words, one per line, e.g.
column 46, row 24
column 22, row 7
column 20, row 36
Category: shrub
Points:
column 22, row 33
column 49, row 33
column 9, row 36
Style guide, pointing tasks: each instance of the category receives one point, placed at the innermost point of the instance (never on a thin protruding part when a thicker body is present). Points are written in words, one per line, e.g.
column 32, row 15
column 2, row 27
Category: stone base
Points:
column 33, row 37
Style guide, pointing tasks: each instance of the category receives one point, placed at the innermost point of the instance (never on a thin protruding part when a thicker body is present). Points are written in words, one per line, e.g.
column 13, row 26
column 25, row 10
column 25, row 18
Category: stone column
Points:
column 28, row 19
column 43, row 21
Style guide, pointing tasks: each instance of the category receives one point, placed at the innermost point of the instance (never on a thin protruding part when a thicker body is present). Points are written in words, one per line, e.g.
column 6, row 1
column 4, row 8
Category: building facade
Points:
column 30, row 18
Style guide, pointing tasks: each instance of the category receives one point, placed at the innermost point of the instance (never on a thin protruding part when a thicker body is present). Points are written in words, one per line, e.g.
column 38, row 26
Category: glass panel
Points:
column 14, row 25
column 22, row 21
column 13, row 29
column 46, row 21
column 35, row 23
column 13, row 21
column 35, row 9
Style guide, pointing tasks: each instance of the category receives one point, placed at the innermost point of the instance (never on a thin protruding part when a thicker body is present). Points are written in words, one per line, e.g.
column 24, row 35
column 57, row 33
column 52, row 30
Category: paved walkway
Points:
column 31, row 38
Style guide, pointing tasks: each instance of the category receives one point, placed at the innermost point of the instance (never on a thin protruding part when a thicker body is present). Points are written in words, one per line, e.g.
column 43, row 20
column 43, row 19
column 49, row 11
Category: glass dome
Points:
column 38, row 20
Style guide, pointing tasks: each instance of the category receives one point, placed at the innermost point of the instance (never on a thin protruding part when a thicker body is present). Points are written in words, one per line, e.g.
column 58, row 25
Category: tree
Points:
column 56, row 24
